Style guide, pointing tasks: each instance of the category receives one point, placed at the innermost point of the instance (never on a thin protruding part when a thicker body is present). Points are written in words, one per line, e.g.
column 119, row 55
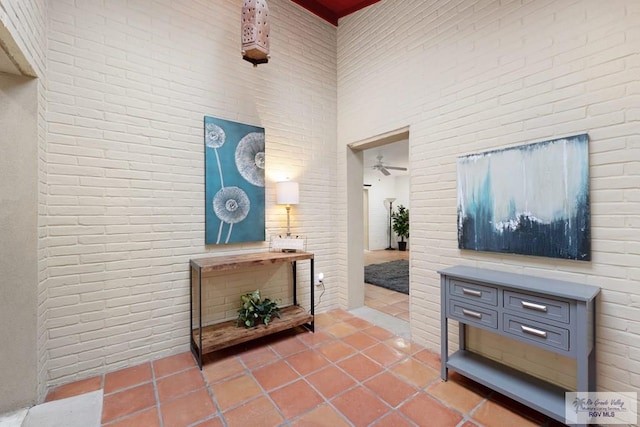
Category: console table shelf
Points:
column 234, row 262
column 222, row 335
column 551, row 314
column 206, row 339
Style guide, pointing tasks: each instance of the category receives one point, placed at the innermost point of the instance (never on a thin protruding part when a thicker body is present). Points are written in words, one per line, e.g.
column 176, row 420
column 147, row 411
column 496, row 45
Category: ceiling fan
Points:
column 379, row 166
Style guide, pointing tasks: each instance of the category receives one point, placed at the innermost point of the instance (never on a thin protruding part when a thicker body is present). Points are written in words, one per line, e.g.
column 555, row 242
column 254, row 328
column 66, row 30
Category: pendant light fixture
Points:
column 255, row 31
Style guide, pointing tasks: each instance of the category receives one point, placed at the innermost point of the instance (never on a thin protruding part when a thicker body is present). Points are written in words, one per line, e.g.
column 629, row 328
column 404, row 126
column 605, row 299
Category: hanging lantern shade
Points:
column 255, row 31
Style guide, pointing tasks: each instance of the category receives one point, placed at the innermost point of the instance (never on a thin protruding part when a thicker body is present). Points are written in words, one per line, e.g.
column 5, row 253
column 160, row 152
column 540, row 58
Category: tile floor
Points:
column 349, row 373
column 390, row 302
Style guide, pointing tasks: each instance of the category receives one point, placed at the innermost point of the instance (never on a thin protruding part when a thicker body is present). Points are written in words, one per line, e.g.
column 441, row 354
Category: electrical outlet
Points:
column 320, row 279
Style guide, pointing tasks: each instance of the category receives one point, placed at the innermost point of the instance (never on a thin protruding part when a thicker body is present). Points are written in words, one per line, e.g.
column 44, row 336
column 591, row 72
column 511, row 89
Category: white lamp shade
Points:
column 287, row 193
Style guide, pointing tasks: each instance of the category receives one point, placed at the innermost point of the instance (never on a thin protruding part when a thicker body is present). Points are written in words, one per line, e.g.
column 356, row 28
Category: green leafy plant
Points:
column 401, row 222
column 255, row 310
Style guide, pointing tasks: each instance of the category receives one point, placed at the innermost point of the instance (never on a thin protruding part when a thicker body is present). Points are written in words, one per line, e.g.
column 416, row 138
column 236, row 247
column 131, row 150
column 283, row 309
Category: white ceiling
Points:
column 395, row 154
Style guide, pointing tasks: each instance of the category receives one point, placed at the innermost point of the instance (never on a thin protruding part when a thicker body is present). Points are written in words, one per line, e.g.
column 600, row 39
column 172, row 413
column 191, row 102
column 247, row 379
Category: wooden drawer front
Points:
column 474, row 292
column 538, row 333
column 537, row 307
column 473, row 315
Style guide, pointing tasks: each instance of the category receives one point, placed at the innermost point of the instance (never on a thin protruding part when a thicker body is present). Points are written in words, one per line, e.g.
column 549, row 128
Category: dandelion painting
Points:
column 529, row 200
column 234, row 182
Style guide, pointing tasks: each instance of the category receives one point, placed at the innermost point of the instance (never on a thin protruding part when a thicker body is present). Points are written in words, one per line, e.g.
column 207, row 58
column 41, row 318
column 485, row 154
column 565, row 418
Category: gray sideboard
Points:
column 555, row 315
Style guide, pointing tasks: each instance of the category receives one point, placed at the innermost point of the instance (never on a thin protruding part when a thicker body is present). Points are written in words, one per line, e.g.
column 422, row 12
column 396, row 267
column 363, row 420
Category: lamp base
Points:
column 390, row 249
column 289, row 250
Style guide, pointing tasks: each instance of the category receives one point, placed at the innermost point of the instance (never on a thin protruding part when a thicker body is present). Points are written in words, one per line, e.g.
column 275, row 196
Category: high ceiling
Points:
column 329, row 10
column 332, row 10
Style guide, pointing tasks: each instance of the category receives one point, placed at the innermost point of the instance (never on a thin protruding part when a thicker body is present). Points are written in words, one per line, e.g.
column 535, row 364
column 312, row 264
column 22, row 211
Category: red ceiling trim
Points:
column 319, row 10
column 356, row 7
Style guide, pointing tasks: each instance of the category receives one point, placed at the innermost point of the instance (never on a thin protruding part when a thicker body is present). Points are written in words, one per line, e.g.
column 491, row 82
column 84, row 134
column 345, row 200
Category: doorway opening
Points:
column 20, row 175
column 382, row 162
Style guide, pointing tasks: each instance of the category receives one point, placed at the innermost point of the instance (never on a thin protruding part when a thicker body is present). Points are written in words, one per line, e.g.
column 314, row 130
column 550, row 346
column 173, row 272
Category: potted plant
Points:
column 401, row 226
column 255, row 310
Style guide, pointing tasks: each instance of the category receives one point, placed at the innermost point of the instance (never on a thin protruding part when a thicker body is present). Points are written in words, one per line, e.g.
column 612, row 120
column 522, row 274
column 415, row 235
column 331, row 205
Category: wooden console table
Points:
column 555, row 315
column 221, row 335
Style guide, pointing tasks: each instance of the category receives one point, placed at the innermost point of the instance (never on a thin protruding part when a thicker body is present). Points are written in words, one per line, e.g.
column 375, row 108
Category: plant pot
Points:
column 402, row 246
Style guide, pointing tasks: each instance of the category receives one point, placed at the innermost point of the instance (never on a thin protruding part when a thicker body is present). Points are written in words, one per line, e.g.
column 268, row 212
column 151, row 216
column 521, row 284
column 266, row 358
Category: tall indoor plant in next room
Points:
column 401, row 226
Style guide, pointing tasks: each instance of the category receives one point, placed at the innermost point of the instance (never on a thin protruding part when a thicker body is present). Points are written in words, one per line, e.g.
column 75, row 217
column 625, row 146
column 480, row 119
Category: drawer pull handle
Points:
column 533, row 331
column 471, row 313
column 533, row 306
column 471, row 292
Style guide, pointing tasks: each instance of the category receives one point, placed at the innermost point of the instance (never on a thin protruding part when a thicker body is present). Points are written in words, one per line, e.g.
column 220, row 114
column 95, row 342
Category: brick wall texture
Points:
column 470, row 76
column 127, row 84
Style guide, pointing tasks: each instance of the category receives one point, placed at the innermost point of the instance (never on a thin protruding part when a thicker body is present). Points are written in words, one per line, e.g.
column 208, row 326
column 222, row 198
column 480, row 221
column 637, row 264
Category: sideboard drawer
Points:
column 539, row 333
column 473, row 315
column 536, row 306
column 474, row 292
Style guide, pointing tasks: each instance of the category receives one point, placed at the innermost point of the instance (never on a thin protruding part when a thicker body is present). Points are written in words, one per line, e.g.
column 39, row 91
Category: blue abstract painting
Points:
column 234, row 182
column 529, row 200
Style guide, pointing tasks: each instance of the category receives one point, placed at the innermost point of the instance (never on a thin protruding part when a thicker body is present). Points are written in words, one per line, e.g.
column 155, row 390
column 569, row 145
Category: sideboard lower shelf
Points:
column 226, row 334
column 542, row 396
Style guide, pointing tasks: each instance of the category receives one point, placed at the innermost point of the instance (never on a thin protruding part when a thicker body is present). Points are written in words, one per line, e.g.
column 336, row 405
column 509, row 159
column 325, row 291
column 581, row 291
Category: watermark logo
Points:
column 601, row 408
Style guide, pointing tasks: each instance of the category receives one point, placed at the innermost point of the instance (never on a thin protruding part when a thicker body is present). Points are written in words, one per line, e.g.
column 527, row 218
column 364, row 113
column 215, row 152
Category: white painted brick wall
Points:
column 469, row 76
column 221, row 292
column 129, row 84
column 27, row 23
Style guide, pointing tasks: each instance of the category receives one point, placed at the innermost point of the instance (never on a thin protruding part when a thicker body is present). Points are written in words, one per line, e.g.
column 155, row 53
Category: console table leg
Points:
column 313, row 299
column 295, row 283
column 444, row 334
column 584, row 351
column 462, row 336
column 195, row 285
